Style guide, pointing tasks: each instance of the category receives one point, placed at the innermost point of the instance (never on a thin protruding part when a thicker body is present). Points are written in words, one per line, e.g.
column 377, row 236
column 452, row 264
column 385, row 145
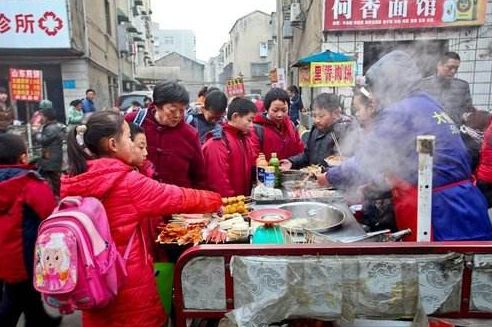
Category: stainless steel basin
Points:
column 313, row 216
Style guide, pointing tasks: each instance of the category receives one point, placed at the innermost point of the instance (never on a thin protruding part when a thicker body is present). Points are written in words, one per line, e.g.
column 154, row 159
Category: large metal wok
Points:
column 312, row 216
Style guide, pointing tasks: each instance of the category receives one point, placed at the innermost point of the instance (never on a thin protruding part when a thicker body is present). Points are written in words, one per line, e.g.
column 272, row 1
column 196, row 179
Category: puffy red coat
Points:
column 174, row 151
column 229, row 161
column 21, row 188
column 484, row 170
column 283, row 140
column 129, row 198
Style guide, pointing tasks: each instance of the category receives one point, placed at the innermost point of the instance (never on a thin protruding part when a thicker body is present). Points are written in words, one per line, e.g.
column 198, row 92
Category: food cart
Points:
column 337, row 272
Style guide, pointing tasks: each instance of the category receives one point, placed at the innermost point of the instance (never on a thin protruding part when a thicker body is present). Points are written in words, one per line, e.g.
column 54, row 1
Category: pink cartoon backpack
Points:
column 76, row 263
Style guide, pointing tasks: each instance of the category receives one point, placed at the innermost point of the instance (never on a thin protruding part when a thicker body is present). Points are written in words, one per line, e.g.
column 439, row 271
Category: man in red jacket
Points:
column 229, row 154
column 173, row 145
column 25, row 199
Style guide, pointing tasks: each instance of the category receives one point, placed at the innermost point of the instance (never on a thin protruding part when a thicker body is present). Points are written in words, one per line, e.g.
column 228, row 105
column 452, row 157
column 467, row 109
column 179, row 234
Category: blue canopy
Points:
column 324, row 56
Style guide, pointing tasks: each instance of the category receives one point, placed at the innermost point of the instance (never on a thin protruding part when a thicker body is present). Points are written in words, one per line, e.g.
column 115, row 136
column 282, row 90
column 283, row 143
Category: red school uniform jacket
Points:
column 129, row 198
column 25, row 200
column 174, row 151
column 283, row 140
column 229, row 159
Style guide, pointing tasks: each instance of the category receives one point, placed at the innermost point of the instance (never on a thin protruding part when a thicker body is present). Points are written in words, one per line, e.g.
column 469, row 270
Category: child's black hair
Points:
column 101, row 124
column 12, row 147
column 241, row 106
column 135, row 130
column 327, row 101
column 216, row 101
column 276, row 94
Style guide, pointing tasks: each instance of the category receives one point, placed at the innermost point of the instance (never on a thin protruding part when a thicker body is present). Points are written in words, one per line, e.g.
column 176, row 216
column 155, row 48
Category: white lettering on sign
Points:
column 342, row 8
column 398, row 8
column 426, row 7
column 370, row 9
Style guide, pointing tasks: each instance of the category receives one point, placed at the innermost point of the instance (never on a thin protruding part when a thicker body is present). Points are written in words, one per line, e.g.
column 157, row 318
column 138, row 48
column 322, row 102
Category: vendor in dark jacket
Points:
column 51, row 139
column 211, row 115
column 329, row 125
column 173, row 145
column 25, row 199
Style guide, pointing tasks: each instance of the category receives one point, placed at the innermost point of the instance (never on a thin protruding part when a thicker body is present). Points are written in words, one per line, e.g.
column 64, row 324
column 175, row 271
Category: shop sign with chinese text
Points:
column 235, row 87
column 346, row 15
column 327, row 74
column 34, row 24
column 26, row 84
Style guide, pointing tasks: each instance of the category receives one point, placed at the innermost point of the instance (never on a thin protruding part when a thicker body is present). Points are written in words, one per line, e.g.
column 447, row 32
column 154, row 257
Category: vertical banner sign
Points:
column 26, row 84
column 34, row 24
column 332, row 74
column 346, row 15
column 304, row 76
column 235, row 87
column 281, row 80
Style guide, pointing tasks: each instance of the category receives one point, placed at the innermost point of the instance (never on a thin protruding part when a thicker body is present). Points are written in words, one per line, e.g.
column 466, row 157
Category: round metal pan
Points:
column 316, row 216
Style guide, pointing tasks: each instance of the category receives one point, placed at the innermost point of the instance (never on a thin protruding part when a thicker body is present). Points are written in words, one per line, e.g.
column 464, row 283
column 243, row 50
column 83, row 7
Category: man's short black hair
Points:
column 276, row 94
column 12, row 147
column 241, row 106
column 170, row 92
column 90, row 90
column 3, row 90
column 216, row 102
column 327, row 101
column 49, row 113
column 136, row 103
column 449, row 55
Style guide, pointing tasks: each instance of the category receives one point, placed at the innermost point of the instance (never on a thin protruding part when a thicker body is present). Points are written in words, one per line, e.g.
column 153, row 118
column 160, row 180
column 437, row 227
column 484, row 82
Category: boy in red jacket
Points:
column 25, row 199
column 229, row 154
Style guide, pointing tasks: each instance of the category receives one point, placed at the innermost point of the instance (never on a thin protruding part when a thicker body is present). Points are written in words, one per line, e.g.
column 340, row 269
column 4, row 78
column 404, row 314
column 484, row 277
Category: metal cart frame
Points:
column 228, row 251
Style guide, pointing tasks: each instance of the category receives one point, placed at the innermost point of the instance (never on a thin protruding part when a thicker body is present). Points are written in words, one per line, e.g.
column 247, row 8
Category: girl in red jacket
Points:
column 274, row 131
column 229, row 154
column 100, row 158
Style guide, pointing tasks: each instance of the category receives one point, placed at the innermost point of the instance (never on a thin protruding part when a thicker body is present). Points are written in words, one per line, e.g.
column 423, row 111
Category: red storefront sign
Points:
column 235, row 87
column 346, row 15
column 26, row 84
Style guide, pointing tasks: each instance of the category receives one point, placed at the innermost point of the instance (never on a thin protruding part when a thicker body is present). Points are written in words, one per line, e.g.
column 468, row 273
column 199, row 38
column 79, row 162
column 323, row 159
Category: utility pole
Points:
column 280, row 25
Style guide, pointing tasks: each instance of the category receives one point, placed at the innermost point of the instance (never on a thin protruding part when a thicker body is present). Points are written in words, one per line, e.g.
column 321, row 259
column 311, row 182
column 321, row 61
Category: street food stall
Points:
column 305, row 255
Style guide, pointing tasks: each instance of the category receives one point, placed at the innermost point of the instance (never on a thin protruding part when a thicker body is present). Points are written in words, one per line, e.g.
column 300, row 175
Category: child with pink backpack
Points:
column 100, row 166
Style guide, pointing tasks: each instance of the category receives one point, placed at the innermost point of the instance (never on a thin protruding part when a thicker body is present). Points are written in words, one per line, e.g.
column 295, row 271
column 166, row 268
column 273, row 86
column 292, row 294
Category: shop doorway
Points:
column 425, row 52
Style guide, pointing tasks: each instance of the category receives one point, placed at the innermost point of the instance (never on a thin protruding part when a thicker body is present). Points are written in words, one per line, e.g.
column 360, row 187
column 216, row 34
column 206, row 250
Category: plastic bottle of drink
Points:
column 275, row 163
column 269, row 177
column 261, row 165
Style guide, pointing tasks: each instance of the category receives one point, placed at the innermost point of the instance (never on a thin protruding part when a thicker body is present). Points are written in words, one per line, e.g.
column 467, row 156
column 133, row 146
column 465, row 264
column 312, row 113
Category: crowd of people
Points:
column 169, row 156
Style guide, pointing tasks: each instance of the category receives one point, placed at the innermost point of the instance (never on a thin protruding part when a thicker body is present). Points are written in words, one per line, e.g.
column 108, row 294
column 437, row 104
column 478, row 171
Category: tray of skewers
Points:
column 229, row 226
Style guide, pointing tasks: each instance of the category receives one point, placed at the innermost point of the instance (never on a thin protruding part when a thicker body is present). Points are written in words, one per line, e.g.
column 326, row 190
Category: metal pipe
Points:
column 425, row 148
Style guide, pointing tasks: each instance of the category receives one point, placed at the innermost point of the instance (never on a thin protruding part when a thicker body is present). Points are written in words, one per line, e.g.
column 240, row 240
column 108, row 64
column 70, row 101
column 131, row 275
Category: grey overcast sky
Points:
column 210, row 20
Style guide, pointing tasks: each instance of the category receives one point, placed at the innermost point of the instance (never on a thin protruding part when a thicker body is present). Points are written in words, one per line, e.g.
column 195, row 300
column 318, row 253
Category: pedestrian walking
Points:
column 51, row 137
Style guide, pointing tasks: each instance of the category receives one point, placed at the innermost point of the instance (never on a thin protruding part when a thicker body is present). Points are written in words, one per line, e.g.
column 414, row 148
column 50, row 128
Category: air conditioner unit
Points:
column 295, row 12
